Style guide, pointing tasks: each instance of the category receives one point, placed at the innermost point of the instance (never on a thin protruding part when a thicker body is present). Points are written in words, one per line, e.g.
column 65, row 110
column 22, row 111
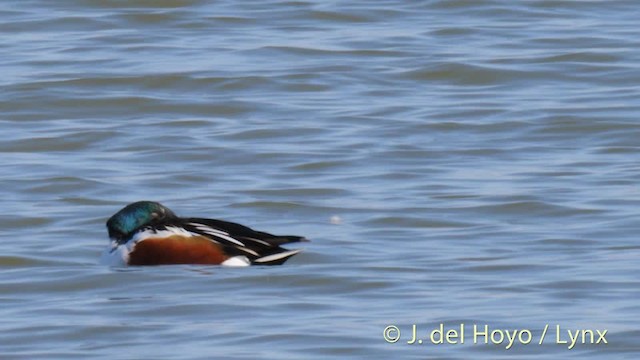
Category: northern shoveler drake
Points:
column 148, row 233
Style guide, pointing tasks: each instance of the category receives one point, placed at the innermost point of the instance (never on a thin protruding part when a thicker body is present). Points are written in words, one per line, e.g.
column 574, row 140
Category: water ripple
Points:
column 448, row 168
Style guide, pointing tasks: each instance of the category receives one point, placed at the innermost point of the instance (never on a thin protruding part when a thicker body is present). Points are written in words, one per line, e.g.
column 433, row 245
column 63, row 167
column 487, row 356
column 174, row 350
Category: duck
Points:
column 149, row 233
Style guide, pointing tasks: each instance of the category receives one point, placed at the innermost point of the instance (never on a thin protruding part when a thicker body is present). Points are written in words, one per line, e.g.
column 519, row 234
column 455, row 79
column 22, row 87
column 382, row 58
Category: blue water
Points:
column 453, row 162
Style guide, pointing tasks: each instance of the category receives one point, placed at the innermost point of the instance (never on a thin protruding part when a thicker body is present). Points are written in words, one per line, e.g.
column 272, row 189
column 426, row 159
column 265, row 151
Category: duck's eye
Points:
column 155, row 215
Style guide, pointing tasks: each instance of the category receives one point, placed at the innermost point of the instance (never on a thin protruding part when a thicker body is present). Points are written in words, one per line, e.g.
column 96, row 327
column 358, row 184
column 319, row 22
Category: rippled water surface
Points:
column 453, row 162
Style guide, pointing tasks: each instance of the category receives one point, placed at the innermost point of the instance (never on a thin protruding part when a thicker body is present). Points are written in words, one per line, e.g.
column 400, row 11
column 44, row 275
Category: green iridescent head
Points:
column 132, row 217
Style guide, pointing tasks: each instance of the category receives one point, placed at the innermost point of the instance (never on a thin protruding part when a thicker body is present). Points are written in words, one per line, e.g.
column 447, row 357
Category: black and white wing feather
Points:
column 238, row 240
